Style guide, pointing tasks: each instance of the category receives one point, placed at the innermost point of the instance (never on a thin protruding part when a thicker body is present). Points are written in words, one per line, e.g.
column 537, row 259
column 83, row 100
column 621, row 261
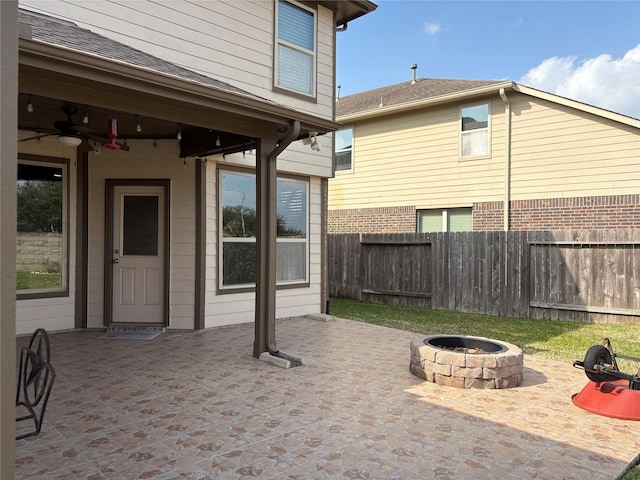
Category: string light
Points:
column 138, row 126
column 218, row 141
column 85, row 119
column 179, row 136
column 29, row 105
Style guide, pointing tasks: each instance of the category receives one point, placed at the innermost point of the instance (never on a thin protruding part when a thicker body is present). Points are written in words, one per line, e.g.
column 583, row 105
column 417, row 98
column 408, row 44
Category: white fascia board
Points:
column 601, row 112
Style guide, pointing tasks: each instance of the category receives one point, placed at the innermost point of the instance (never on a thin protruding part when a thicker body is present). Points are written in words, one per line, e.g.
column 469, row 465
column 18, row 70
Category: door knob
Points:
column 116, row 260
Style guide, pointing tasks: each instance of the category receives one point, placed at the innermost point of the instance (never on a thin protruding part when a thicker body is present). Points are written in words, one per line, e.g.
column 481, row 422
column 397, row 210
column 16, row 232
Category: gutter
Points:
column 507, row 157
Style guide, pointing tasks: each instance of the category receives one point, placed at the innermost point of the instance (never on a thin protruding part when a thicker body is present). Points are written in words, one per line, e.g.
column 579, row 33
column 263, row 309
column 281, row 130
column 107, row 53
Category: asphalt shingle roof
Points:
column 405, row 92
column 67, row 34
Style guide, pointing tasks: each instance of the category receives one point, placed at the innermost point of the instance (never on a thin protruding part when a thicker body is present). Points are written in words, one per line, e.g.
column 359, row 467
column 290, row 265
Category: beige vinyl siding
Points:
column 556, row 151
column 413, row 159
column 561, row 152
column 297, row 159
column 233, row 308
column 146, row 162
column 55, row 313
column 229, row 40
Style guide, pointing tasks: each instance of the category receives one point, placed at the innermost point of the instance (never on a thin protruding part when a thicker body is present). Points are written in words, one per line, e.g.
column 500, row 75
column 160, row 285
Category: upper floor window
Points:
column 344, row 149
column 295, row 48
column 474, row 131
column 42, row 228
column 445, row 220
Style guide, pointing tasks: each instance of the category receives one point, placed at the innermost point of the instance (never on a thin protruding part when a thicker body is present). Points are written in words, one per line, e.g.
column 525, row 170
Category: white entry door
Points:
column 138, row 254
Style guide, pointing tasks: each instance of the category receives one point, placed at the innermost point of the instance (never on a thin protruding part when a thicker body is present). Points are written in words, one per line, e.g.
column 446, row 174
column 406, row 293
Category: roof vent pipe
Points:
column 414, row 67
column 338, row 95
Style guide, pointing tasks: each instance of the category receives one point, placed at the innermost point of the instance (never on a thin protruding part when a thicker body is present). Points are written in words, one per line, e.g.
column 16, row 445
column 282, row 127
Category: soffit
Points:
column 345, row 11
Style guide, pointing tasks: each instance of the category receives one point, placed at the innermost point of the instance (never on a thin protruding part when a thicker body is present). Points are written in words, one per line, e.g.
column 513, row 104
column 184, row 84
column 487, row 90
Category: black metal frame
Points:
column 35, row 380
column 607, row 370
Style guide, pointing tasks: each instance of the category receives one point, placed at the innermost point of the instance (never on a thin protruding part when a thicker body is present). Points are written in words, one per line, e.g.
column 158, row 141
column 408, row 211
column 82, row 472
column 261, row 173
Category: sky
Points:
column 584, row 50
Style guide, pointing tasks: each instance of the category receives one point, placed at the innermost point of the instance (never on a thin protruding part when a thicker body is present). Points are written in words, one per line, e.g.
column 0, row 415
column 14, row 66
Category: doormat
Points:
column 131, row 335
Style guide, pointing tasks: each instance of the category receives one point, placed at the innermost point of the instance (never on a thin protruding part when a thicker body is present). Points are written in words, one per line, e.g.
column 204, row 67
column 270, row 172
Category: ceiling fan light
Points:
column 69, row 140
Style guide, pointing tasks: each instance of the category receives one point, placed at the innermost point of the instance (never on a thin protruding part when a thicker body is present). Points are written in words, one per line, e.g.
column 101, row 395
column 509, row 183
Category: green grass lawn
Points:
column 633, row 474
column 564, row 341
column 32, row 280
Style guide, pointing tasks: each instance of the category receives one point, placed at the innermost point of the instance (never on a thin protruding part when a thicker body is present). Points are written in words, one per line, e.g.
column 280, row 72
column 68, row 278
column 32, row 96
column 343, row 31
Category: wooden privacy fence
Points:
column 586, row 276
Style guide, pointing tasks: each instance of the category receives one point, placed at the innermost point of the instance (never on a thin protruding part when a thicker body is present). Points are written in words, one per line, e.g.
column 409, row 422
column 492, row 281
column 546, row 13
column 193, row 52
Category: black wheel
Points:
column 597, row 355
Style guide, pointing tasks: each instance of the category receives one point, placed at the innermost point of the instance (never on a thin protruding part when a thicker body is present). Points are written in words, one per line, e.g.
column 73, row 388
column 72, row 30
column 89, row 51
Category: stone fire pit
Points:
column 466, row 362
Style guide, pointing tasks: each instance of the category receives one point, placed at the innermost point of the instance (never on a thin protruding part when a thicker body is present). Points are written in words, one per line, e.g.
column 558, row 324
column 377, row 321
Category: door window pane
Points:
column 140, row 225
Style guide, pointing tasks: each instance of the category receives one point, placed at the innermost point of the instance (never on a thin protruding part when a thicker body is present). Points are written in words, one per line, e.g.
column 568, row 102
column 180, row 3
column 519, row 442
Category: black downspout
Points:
column 266, row 192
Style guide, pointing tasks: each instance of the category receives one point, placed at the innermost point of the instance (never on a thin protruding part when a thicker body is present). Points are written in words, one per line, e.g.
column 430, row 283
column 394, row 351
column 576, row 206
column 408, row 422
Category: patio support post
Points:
column 266, row 185
column 266, row 233
column 8, row 175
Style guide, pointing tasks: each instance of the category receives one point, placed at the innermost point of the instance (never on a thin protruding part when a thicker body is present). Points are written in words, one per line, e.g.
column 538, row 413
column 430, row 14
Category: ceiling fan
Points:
column 72, row 134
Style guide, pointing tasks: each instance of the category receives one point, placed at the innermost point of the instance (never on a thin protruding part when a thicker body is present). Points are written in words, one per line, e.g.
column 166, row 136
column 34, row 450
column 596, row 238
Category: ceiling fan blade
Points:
column 36, row 137
column 81, row 129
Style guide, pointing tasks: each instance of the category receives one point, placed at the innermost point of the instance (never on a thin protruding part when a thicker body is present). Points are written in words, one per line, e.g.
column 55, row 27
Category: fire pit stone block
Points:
column 502, row 368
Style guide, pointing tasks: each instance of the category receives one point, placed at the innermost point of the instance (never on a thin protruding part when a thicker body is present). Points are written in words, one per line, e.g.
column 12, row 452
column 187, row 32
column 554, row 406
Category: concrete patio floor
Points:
column 197, row 405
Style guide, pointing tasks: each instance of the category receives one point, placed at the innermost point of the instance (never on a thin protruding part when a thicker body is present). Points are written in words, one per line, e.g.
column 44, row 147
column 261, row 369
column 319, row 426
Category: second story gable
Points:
column 438, row 148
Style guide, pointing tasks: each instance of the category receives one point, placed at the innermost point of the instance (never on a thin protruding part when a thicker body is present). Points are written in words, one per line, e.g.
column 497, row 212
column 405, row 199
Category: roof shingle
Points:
column 405, row 92
column 63, row 33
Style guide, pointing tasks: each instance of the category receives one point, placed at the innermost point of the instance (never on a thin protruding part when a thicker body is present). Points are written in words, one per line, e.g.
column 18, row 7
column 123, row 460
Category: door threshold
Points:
column 136, row 327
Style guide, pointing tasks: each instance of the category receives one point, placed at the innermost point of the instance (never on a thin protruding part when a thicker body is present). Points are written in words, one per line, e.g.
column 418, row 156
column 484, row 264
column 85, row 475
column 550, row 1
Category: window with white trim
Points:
column 344, row 149
column 295, row 55
column 474, row 131
column 42, row 237
column 238, row 209
column 445, row 220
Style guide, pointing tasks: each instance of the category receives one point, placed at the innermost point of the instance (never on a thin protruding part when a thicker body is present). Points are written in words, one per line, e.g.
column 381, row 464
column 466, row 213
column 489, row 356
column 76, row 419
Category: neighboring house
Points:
column 165, row 224
column 433, row 155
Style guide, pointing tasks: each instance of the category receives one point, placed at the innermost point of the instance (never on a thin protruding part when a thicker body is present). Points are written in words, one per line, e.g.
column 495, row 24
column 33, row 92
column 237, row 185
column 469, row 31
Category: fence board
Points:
column 575, row 276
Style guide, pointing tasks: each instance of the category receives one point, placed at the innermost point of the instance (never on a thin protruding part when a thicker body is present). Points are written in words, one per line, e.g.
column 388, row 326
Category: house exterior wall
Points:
column 232, row 308
column 569, row 169
column 230, row 41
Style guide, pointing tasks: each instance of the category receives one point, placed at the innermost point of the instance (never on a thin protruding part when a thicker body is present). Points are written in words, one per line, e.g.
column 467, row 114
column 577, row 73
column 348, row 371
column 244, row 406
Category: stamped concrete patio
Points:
column 199, row 406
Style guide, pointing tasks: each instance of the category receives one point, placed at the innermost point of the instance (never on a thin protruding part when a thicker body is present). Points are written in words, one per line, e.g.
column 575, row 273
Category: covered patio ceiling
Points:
column 53, row 117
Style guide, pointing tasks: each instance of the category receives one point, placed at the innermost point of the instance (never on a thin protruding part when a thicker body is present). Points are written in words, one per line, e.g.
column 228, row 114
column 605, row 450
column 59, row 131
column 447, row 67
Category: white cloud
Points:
column 603, row 81
column 432, row 28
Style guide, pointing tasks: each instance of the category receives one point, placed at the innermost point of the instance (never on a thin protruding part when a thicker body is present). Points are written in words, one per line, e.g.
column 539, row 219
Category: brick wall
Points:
column 584, row 213
column 372, row 220
column 578, row 213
